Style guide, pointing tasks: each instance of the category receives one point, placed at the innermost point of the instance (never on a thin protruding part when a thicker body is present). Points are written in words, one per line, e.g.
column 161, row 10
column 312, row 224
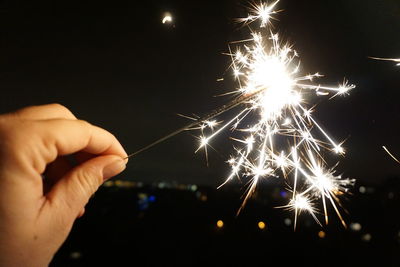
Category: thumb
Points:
column 74, row 190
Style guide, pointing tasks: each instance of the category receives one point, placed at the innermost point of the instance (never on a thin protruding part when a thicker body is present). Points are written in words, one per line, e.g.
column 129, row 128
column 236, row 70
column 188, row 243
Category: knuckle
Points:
column 17, row 140
column 88, row 180
column 25, row 142
column 58, row 106
column 61, row 108
column 113, row 137
column 18, row 114
column 31, row 112
column 15, row 132
column 85, row 124
column 3, row 125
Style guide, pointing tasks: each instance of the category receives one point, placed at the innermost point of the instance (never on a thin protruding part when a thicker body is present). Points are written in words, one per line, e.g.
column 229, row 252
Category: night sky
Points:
column 116, row 65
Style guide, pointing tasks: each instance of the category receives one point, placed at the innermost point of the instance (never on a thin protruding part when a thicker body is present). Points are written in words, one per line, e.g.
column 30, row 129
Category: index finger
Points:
column 44, row 112
column 71, row 136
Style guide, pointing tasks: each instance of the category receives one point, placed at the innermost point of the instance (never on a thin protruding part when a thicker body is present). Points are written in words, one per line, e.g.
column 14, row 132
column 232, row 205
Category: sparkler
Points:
column 269, row 70
column 277, row 134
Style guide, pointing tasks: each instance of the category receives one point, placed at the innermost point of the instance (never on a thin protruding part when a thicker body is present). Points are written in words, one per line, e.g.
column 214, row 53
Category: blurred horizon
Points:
column 127, row 222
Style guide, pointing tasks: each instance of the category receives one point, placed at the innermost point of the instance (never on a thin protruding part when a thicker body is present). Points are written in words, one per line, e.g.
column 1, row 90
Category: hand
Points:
column 41, row 194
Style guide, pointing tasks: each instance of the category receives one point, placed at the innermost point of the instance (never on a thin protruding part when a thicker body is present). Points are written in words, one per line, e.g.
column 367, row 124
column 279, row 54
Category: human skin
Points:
column 41, row 192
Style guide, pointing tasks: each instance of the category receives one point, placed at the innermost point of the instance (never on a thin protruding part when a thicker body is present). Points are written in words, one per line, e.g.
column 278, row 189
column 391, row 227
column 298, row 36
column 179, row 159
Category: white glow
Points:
column 355, row 227
column 167, row 18
column 281, row 138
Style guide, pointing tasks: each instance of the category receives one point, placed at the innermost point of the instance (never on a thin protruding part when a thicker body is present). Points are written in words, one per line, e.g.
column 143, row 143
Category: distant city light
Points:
column 193, row 187
column 144, row 201
column 283, row 194
column 366, row 237
column 287, row 222
column 321, row 234
column 366, row 190
column 355, row 227
column 220, row 224
column 261, row 225
column 203, row 197
column 108, row 184
column 75, row 255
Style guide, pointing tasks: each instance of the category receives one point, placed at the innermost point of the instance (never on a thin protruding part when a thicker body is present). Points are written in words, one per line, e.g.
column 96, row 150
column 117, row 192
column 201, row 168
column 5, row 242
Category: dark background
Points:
column 116, row 65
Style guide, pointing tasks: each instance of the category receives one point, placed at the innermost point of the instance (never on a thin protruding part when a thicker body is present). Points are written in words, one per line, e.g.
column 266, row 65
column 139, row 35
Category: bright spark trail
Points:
column 277, row 136
column 396, row 60
column 390, row 154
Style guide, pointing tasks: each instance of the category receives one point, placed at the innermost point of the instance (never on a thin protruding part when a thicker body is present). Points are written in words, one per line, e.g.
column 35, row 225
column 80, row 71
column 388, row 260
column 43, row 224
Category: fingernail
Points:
column 114, row 168
column 81, row 213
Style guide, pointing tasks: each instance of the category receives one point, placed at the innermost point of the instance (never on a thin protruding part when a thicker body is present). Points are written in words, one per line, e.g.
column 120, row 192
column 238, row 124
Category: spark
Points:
column 203, row 141
column 390, row 154
column 302, row 203
column 397, row 60
column 262, row 12
column 273, row 97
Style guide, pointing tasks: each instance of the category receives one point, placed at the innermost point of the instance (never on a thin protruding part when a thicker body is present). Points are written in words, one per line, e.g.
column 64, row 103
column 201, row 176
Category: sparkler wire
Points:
column 234, row 103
